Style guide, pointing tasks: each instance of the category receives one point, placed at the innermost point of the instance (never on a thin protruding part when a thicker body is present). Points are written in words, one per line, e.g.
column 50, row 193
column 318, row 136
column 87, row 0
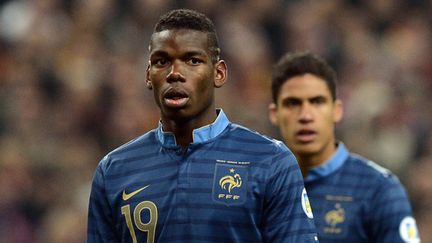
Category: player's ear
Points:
column 272, row 111
column 149, row 84
column 148, row 81
column 338, row 110
column 221, row 73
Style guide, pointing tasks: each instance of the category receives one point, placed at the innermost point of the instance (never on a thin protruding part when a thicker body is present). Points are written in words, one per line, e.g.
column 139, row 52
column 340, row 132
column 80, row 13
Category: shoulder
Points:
column 241, row 133
column 381, row 190
column 270, row 152
column 378, row 175
column 368, row 167
column 130, row 149
column 388, row 209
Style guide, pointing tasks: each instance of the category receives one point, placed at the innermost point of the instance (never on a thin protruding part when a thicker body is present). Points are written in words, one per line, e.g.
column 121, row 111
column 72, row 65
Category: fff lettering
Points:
column 228, row 196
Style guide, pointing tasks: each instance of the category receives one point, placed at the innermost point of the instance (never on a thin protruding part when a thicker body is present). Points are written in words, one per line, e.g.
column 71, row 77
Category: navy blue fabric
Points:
column 355, row 200
column 230, row 185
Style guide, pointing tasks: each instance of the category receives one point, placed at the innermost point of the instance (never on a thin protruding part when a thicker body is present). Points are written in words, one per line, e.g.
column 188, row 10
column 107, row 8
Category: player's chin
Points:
column 306, row 148
column 176, row 114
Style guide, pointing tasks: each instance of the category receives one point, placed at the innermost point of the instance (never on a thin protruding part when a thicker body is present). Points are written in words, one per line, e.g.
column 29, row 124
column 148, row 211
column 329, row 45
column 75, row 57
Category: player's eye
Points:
column 194, row 61
column 291, row 102
column 160, row 62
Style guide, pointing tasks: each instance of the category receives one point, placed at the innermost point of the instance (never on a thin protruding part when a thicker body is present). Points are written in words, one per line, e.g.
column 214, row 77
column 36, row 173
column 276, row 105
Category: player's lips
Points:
column 306, row 135
column 175, row 97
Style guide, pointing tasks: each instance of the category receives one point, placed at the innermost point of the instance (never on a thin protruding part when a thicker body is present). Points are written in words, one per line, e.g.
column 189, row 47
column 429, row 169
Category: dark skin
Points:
column 183, row 79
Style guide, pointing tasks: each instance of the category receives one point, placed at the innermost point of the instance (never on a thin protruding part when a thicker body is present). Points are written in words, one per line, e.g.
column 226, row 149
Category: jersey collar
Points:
column 331, row 165
column 199, row 135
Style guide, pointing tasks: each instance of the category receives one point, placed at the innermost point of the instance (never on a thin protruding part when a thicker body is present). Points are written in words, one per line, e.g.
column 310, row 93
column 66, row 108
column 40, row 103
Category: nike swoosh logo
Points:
column 127, row 196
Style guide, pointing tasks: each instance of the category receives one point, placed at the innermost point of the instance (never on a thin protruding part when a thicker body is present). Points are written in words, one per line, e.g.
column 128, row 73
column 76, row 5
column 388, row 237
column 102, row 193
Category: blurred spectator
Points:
column 72, row 87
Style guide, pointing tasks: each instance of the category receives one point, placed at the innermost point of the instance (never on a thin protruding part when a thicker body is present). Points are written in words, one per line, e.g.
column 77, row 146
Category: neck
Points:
column 183, row 130
column 308, row 161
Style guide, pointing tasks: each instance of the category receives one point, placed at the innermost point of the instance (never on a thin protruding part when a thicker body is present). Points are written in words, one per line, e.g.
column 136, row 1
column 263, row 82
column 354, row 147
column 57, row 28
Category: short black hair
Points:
column 193, row 20
column 299, row 63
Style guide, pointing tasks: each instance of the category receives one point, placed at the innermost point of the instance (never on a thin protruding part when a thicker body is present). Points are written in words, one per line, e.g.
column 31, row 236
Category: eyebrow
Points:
column 187, row 53
column 290, row 99
column 322, row 97
column 159, row 53
column 195, row 53
column 309, row 98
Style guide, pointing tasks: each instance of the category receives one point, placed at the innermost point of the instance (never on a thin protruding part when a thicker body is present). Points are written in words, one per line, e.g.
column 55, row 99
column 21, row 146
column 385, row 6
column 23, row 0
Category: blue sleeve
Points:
column 391, row 214
column 288, row 216
column 100, row 226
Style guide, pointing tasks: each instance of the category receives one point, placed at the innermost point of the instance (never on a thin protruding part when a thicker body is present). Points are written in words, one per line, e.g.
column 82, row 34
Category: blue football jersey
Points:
column 230, row 185
column 355, row 200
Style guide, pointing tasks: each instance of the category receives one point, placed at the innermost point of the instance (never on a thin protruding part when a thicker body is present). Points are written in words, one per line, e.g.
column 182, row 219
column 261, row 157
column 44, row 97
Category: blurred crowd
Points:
column 72, row 88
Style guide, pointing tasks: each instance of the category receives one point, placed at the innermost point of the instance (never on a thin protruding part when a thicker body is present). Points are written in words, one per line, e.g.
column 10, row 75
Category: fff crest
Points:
column 335, row 222
column 229, row 184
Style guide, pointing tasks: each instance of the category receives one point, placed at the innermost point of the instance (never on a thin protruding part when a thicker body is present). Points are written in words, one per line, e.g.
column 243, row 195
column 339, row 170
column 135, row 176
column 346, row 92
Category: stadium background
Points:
column 72, row 88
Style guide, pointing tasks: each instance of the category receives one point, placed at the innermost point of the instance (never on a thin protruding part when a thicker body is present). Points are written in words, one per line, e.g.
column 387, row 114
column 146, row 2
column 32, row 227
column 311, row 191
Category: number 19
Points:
column 149, row 227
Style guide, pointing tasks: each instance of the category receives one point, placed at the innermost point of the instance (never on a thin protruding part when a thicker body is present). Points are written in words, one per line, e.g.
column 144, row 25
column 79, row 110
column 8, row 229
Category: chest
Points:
column 340, row 212
column 174, row 192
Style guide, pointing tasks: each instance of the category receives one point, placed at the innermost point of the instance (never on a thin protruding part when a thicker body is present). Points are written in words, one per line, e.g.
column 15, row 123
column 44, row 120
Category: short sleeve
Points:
column 100, row 225
column 288, row 215
column 391, row 214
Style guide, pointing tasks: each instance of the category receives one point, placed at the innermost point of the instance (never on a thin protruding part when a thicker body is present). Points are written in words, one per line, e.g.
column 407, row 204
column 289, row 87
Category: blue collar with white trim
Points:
column 331, row 165
column 199, row 135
